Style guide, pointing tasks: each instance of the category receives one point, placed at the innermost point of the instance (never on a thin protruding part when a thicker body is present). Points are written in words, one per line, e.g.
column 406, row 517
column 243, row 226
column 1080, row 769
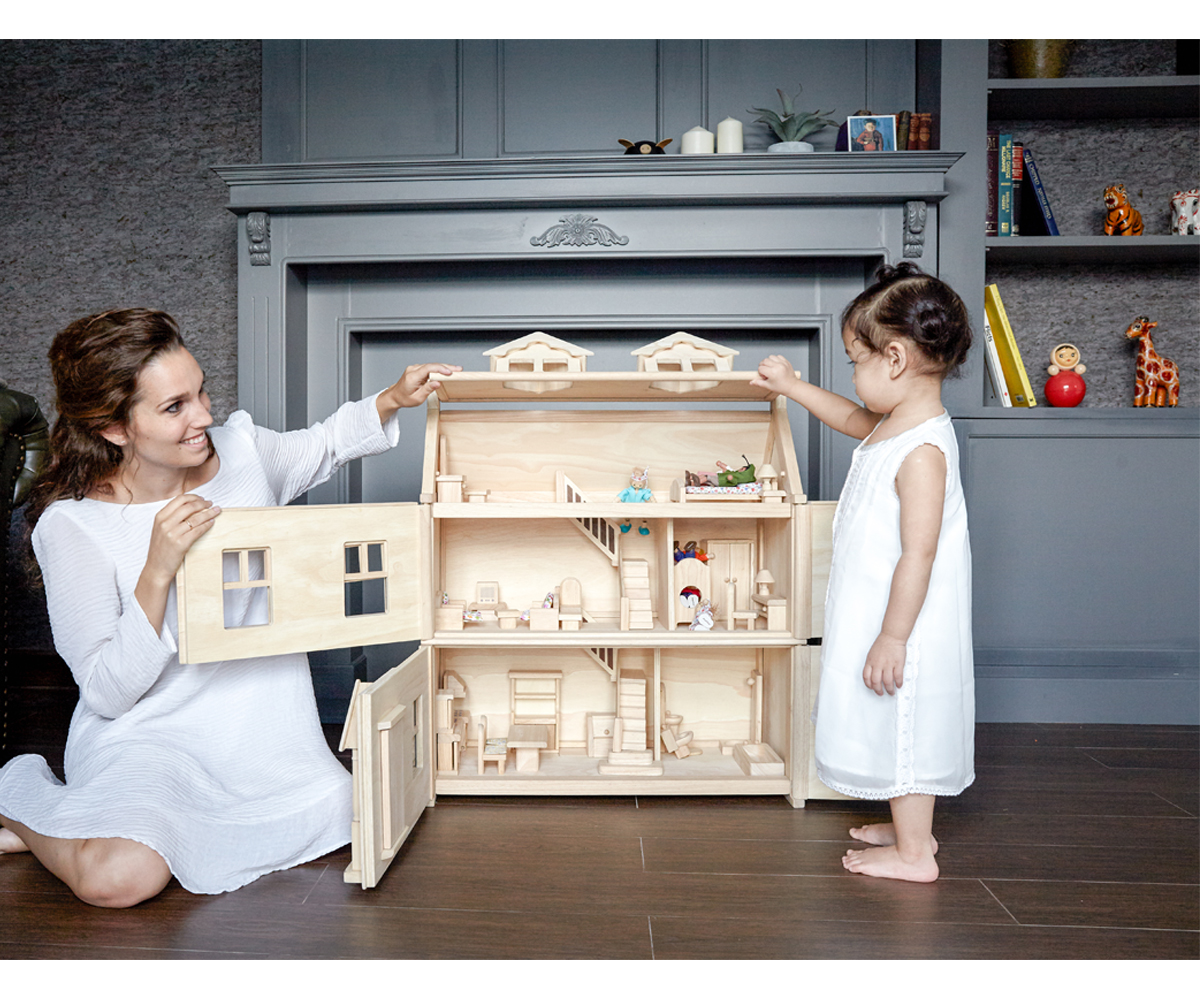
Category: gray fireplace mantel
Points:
column 761, row 179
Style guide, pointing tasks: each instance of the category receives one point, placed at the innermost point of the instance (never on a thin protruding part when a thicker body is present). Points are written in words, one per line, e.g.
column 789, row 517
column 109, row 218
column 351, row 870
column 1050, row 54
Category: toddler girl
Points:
column 895, row 711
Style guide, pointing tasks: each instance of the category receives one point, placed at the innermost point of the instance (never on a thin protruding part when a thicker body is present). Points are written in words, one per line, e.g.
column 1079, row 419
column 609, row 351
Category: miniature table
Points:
column 528, row 742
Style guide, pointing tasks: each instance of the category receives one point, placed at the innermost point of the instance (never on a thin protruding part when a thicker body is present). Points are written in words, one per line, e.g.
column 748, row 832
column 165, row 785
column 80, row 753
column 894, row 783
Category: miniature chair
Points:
column 491, row 748
column 570, row 604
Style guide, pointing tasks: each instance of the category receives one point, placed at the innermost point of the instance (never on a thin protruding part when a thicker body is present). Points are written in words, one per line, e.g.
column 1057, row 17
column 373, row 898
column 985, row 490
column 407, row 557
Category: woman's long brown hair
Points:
column 95, row 363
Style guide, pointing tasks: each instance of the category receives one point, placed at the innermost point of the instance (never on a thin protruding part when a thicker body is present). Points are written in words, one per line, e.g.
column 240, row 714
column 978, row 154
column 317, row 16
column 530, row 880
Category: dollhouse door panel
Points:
column 731, row 563
column 269, row 580
column 389, row 730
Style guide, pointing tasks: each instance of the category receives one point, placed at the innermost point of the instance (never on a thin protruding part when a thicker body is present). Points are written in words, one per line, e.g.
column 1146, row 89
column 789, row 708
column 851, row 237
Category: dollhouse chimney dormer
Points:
column 683, row 352
column 538, row 353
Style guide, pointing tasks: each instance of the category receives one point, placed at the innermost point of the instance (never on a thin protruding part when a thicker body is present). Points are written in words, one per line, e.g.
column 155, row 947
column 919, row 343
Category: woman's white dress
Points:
column 921, row 740
column 222, row 768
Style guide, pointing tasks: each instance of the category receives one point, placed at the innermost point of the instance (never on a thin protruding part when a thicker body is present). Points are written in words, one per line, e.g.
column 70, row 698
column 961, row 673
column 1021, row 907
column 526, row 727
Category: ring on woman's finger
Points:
column 188, row 523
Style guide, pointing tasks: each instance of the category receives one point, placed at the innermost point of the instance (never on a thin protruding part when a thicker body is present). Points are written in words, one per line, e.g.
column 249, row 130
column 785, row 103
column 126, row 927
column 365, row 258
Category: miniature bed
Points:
column 571, row 643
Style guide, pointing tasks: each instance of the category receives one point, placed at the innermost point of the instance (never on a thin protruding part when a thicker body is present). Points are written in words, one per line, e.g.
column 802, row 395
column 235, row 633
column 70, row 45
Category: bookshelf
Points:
column 1085, row 287
column 1071, row 620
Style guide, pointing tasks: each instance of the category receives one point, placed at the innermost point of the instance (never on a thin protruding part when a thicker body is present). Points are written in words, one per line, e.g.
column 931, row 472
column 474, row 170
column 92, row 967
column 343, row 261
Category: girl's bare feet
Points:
column 886, row 862
column 10, row 843
column 882, row 835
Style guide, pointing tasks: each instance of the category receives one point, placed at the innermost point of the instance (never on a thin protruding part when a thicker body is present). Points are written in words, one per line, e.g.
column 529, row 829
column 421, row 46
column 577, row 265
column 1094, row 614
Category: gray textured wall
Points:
column 107, row 199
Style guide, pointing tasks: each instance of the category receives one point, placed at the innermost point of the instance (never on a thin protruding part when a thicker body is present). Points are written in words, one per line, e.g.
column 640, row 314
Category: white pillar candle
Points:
column 729, row 136
column 697, row 140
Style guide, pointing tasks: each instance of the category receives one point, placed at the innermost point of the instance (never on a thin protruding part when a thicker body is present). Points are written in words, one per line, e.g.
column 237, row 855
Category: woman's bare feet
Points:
column 882, row 835
column 886, row 862
column 10, row 843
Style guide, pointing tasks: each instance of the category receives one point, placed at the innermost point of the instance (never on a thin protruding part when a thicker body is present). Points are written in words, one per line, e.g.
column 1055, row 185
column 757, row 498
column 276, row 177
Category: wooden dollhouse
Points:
column 572, row 643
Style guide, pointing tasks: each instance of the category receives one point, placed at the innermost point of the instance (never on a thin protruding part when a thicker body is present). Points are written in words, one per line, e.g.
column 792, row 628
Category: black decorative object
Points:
column 647, row 146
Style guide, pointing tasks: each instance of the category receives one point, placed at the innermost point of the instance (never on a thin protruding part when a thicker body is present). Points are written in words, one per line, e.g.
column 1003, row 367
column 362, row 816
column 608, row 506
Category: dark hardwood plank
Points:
column 1059, row 760
column 1145, row 757
column 329, row 932
column 712, row 938
column 1019, row 797
column 1128, row 863
column 1152, row 833
column 1067, row 734
column 1100, row 904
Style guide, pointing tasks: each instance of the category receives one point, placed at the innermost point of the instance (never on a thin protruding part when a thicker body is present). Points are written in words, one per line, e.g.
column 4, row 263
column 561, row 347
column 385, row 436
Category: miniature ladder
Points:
column 600, row 531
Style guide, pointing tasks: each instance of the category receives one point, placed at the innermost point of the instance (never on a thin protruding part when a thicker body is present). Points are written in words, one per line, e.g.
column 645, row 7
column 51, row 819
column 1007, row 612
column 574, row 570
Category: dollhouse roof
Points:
column 683, row 337
column 537, row 337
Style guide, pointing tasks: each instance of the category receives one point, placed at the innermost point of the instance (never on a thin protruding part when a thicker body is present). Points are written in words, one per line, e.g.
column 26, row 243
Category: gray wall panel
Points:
column 1059, row 561
column 577, row 96
column 369, row 99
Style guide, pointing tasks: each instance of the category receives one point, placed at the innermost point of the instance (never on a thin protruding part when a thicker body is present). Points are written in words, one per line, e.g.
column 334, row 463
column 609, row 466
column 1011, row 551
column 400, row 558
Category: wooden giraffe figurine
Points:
column 1157, row 377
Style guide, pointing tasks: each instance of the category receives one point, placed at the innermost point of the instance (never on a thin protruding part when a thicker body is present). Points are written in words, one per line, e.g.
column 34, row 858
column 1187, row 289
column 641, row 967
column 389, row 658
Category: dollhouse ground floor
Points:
column 1074, row 842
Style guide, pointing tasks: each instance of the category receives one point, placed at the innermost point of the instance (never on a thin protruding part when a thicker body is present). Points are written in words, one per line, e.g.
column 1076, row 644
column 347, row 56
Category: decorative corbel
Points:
column 915, row 213
column 258, row 233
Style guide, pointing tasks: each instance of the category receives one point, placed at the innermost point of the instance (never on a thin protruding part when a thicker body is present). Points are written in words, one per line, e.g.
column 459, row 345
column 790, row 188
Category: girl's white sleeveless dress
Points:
column 921, row 740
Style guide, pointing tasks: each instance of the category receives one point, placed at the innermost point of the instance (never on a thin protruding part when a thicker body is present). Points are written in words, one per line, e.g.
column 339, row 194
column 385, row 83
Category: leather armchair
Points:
column 24, row 449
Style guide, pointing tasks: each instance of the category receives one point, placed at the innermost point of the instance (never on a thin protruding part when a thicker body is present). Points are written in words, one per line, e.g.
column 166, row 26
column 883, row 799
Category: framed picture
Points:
column 872, row 133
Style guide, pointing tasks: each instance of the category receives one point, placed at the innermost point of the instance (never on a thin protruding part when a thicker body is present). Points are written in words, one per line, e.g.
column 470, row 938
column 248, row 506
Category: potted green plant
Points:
column 792, row 126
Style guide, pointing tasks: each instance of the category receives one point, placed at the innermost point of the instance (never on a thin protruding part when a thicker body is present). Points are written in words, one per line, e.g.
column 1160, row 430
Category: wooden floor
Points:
column 1074, row 842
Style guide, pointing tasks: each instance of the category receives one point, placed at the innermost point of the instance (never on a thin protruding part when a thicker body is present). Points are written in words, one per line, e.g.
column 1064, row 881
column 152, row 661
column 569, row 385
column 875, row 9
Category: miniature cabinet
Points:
column 555, row 620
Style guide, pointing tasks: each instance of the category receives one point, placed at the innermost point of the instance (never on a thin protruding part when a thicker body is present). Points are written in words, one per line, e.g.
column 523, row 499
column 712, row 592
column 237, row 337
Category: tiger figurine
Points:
column 1121, row 218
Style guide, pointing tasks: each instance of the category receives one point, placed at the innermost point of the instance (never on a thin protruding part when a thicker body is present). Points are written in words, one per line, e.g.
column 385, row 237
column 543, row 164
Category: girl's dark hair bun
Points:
column 906, row 302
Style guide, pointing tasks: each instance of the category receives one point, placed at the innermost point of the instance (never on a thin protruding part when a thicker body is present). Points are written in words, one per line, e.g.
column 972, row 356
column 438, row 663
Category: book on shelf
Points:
column 995, row 371
column 1015, row 376
column 1004, row 184
column 920, row 128
column 914, row 129
column 993, row 180
column 1018, row 175
column 1037, row 209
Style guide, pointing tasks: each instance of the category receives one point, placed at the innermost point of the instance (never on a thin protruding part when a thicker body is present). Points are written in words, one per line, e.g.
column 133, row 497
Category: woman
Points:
column 215, row 773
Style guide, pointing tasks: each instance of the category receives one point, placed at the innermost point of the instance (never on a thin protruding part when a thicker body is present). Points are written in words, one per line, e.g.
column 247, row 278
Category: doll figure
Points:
column 637, row 491
column 1065, row 387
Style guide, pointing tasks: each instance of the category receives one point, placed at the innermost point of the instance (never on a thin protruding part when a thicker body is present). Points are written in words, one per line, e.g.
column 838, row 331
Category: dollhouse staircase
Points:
column 606, row 657
column 631, row 753
column 598, row 530
column 637, row 611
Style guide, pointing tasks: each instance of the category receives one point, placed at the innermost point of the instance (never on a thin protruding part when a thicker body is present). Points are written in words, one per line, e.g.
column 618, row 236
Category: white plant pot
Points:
column 790, row 147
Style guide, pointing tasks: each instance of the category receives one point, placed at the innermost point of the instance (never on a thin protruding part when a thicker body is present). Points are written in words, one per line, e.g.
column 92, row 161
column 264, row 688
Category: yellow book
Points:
column 1006, row 346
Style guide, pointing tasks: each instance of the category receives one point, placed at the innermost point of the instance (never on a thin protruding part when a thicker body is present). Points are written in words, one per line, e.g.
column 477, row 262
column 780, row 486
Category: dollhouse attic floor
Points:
column 1074, row 842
